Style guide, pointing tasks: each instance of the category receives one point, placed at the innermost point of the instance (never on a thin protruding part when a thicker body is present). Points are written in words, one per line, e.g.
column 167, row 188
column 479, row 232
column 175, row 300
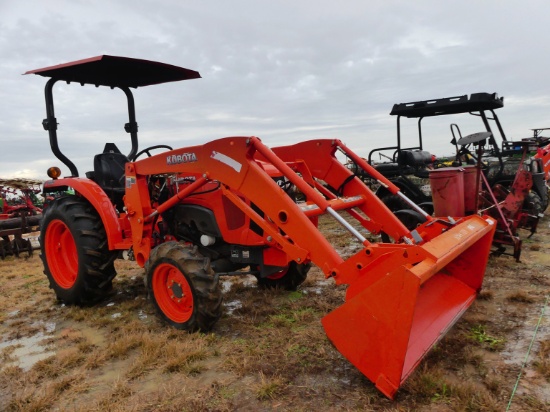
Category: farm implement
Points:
column 511, row 180
column 20, row 213
column 500, row 160
column 227, row 207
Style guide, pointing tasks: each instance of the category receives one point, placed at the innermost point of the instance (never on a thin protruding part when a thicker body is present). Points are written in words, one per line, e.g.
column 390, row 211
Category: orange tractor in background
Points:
column 542, row 146
column 190, row 215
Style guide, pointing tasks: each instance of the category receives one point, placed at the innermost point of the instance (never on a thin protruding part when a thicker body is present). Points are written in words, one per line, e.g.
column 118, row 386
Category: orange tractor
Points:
column 227, row 207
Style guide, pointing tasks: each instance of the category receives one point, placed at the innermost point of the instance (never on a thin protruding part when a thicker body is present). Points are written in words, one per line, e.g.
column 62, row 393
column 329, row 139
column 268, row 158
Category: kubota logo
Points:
column 182, row 158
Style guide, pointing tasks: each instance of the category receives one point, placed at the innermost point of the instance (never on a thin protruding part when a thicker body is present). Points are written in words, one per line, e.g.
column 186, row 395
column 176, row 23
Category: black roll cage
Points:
column 50, row 125
column 477, row 105
column 111, row 71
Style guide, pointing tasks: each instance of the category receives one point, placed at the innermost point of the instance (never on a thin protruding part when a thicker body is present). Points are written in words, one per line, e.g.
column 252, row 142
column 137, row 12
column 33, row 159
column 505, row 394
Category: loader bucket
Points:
column 394, row 315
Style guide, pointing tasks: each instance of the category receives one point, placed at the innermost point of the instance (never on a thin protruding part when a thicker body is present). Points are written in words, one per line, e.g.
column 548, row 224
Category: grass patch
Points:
column 427, row 384
column 486, row 295
column 478, row 334
column 269, row 388
column 520, row 296
column 62, row 363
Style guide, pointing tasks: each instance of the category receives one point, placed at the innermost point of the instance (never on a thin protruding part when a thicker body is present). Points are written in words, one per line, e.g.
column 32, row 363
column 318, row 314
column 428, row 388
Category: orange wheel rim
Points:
column 278, row 275
column 61, row 254
column 172, row 293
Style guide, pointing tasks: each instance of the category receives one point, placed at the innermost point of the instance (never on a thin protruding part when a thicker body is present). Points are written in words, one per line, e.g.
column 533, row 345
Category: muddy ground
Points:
column 268, row 351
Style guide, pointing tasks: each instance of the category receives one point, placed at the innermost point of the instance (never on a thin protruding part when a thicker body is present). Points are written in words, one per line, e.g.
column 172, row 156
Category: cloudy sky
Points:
column 285, row 71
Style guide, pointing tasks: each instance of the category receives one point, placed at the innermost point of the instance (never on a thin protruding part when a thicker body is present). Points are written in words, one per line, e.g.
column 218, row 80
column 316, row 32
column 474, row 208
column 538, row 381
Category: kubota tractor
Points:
column 192, row 214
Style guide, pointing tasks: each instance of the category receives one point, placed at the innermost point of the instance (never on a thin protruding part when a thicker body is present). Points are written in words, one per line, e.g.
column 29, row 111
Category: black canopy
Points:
column 449, row 105
column 114, row 71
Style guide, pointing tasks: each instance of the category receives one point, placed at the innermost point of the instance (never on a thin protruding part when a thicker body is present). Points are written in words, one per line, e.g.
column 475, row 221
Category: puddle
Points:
column 318, row 287
column 26, row 351
column 231, row 306
column 90, row 334
column 248, row 281
column 29, row 350
column 226, row 285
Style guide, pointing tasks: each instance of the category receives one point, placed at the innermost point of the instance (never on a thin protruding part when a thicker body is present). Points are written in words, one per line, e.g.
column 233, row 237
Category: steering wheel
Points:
column 148, row 150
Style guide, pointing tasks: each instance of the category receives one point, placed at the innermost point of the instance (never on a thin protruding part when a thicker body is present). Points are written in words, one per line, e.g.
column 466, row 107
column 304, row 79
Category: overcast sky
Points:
column 284, row 71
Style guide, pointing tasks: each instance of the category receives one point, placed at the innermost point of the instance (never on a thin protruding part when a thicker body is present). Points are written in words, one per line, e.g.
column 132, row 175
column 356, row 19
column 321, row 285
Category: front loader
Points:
column 227, row 207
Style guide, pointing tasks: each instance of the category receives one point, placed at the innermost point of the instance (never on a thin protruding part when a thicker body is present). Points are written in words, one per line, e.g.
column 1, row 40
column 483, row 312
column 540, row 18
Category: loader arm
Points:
column 319, row 156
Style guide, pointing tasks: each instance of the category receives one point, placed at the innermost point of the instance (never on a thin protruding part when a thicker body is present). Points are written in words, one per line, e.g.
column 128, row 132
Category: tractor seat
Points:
column 109, row 168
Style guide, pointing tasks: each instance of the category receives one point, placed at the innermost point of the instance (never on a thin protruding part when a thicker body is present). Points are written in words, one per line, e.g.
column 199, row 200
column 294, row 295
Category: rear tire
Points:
column 183, row 287
column 288, row 279
column 393, row 202
column 533, row 204
column 75, row 252
column 410, row 218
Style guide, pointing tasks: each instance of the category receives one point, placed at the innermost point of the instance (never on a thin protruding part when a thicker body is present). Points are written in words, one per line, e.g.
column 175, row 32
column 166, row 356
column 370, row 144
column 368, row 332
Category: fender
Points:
column 94, row 194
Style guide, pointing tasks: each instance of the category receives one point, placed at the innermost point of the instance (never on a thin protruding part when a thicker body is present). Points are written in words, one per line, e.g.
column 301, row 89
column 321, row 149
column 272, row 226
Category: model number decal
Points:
column 220, row 157
column 464, row 232
column 181, row 158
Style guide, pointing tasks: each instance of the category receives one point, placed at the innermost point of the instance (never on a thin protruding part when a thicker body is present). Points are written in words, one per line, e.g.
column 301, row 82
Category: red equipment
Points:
column 21, row 191
column 541, row 145
column 18, row 215
column 192, row 214
column 504, row 204
column 543, row 153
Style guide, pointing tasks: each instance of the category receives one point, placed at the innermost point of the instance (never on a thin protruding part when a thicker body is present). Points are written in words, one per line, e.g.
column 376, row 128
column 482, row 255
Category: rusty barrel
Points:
column 471, row 189
column 447, row 186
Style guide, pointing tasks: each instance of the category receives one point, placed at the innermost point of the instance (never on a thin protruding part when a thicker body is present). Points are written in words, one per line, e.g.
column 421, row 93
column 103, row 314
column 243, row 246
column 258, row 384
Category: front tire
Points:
column 183, row 287
column 75, row 252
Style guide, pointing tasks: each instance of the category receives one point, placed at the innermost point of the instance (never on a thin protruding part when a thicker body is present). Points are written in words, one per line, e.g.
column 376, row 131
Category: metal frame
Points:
column 113, row 72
